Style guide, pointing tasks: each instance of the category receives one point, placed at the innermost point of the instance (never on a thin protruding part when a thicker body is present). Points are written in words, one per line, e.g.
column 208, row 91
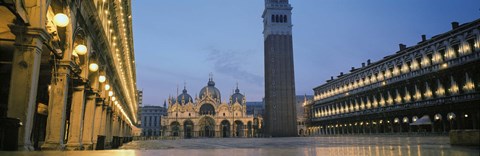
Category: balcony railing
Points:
column 461, row 60
column 411, row 105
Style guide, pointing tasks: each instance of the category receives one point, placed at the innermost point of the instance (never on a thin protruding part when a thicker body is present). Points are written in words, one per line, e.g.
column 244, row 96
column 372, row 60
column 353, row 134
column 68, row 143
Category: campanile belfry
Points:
column 280, row 115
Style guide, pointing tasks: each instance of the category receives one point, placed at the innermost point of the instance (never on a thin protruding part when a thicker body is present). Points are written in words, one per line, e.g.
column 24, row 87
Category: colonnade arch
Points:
column 207, row 127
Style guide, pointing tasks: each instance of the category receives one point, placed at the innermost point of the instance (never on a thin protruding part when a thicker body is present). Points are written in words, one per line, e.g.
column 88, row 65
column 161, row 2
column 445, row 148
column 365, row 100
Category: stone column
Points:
column 98, row 119
column 57, row 105
column 24, row 79
column 108, row 128
column 104, row 125
column 120, row 127
column 76, row 119
column 89, row 122
column 104, row 122
column 114, row 128
column 121, row 130
column 107, row 125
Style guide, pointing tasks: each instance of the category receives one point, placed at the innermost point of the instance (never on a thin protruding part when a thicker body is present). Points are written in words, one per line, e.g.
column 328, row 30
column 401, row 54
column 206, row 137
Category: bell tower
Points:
column 280, row 114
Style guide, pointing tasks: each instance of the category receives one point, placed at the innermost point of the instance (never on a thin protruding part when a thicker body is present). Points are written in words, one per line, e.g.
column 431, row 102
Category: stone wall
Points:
column 470, row 137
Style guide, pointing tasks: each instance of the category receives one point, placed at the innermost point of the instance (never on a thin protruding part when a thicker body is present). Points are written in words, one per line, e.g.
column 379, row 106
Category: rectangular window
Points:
column 430, row 56
column 145, row 121
column 442, row 54
column 456, row 50
column 150, row 121
column 471, row 44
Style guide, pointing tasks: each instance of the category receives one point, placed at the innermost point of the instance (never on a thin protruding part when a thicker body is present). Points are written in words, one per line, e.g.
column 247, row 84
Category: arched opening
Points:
column 249, row 128
column 239, row 128
column 273, row 18
column 207, row 109
column 300, row 132
column 256, row 126
column 451, row 117
column 175, row 128
column 207, row 127
column 438, row 125
column 188, row 128
column 225, row 128
column 285, row 18
column 276, row 18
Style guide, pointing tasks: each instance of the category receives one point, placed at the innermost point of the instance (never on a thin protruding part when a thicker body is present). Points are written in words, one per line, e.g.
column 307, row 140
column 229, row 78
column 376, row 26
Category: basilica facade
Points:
column 208, row 116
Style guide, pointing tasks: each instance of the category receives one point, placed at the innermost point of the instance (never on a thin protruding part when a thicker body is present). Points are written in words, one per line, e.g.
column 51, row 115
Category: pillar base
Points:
column 26, row 147
column 73, row 146
column 108, row 145
column 88, row 146
column 52, row 147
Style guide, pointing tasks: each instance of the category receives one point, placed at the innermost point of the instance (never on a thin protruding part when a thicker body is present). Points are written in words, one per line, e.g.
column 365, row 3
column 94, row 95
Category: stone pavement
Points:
column 309, row 146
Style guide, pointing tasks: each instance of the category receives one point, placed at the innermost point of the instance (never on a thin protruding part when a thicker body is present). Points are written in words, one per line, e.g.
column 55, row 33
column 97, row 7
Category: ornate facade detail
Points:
column 208, row 116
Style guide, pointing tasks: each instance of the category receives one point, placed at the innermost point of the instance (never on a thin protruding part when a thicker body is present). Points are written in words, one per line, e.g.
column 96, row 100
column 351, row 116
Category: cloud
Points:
column 230, row 63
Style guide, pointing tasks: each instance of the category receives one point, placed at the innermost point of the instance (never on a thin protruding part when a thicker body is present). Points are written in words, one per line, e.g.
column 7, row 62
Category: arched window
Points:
column 276, row 18
column 285, row 18
column 273, row 18
column 207, row 109
column 281, row 18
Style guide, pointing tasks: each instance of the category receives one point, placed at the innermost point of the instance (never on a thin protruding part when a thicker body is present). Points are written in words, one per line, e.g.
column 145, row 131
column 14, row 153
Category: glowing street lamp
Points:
column 81, row 49
column 93, row 67
column 451, row 116
column 107, row 87
column 438, row 117
column 61, row 20
column 110, row 93
column 102, row 78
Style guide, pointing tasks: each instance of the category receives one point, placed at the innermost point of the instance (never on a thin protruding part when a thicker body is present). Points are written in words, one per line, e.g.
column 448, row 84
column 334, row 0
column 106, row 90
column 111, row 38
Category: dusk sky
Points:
column 179, row 41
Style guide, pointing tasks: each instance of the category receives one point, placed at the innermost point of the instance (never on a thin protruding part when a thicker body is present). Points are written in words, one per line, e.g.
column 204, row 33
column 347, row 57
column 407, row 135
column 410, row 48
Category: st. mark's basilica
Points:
column 209, row 116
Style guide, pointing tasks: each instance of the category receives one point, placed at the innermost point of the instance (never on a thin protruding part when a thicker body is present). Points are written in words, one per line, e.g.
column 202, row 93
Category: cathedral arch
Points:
column 175, row 128
column 207, row 127
column 239, row 128
column 225, row 128
column 207, row 109
column 188, row 128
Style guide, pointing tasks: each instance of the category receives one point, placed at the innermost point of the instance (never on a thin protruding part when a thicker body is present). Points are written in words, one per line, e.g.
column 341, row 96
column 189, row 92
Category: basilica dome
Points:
column 184, row 98
column 210, row 90
column 237, row 96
